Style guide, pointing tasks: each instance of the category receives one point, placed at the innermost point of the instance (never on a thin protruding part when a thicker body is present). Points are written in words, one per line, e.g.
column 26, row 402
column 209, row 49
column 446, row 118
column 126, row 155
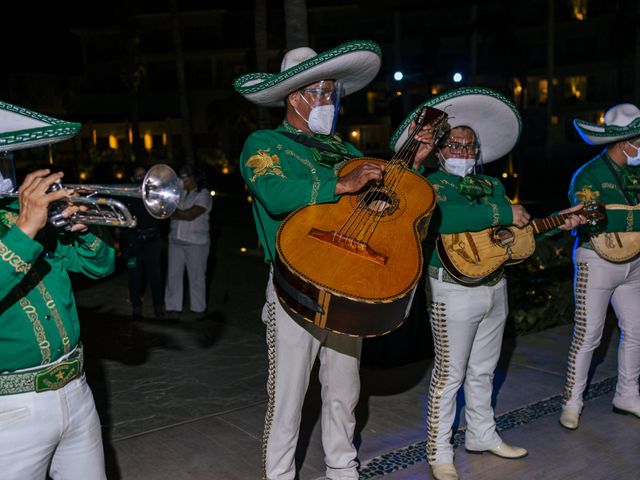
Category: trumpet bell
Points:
column 160, row 191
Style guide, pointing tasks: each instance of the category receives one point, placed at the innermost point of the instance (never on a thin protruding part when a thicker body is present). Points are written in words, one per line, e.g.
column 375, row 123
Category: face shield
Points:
column 324, row 99
column 7, row 172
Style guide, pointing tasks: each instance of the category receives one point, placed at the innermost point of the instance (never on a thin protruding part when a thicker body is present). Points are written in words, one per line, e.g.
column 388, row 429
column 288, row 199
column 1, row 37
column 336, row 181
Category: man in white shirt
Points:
column 189, row 247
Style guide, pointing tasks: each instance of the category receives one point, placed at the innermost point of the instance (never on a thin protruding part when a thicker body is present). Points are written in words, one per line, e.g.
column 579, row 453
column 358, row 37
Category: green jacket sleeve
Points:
column 280, row 182
column 90, row 253
column 18, row 252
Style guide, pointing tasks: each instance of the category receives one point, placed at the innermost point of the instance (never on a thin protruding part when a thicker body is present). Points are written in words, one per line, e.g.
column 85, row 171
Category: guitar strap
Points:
column 616, row 175
column 317, row 144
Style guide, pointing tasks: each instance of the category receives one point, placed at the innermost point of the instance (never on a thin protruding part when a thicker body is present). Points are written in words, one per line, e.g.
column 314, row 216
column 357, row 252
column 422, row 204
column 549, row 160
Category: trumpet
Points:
column 160, row 192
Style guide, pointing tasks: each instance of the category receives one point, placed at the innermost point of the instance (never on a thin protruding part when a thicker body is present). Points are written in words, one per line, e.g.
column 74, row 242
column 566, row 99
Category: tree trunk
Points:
column 261, row 53
column 295, row 12
column 187, row 135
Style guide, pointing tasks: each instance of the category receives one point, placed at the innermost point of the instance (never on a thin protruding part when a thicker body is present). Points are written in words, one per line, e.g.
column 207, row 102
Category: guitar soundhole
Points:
column 503, row 237
column 380, row 201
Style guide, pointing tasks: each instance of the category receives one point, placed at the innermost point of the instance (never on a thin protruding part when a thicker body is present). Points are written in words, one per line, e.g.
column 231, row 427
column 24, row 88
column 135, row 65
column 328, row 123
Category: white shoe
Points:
column 504, row 450
column 570, row 419
column 444, row 471
column 626, row 411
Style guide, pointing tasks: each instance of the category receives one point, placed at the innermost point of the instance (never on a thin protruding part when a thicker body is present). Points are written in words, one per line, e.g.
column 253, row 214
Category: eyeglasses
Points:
column 457, row 148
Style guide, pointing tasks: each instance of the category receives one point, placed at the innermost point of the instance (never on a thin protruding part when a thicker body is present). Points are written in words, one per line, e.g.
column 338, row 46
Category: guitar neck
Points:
column 542, row 225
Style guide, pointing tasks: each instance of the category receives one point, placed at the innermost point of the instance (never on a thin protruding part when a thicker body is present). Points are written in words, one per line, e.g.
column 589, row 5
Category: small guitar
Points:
column 617, row 247
column 470, row 257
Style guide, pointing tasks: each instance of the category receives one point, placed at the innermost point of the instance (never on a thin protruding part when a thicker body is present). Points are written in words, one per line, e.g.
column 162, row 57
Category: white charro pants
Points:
column 293, row 345
column 55, row 432
column 194, row 259
column 598, row 282
column 467, row 325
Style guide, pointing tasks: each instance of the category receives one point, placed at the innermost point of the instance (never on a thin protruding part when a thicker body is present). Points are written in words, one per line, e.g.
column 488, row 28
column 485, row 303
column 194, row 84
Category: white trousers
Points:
column 55, row 432
column 293, row 345
column 467, row 325
column 194, row 259
column 598, row 282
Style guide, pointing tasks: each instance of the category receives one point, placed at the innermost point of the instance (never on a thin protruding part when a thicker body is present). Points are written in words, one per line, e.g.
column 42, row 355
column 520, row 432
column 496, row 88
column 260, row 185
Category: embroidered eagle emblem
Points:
column 264, row 164
column 587, row 194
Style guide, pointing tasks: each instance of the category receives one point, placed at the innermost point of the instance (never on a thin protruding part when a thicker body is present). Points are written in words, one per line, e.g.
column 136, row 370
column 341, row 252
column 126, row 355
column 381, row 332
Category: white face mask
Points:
column 459, row 166
column 633, row 161
column 321, row 119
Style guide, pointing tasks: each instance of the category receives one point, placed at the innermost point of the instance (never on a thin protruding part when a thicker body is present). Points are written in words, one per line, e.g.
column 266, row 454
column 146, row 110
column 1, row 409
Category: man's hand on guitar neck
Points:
column 574, row 220
column 355, row 180
column 520, row 216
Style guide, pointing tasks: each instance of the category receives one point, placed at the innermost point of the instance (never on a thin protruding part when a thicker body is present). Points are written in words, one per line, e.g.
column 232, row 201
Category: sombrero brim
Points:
column 594, row 134
column 490, row 114
column 21, row 128
column 354, row 64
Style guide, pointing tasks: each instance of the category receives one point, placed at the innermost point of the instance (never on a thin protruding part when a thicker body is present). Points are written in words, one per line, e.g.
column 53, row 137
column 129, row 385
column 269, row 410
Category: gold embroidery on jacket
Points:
column 587, row 194
column 38, row 329
column 13, row 259
column 264, row 164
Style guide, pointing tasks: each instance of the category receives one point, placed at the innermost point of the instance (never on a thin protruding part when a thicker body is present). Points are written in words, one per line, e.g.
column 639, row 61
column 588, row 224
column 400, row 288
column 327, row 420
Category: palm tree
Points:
column 261, row 52
column 187, row 136
column 295, row 12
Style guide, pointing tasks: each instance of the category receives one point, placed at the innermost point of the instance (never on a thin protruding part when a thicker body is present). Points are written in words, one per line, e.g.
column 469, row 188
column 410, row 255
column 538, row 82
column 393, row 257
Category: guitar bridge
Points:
column 349, row 244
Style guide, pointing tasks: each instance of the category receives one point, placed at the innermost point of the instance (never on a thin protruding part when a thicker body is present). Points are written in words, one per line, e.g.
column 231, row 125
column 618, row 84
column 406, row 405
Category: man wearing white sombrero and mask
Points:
column 613, row 178
column 294, row 165
column 48, row 420
column 467, row 322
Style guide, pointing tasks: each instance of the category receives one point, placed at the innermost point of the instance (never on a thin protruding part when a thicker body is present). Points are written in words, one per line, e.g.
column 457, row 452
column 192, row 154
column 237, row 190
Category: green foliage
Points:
column 541, row 288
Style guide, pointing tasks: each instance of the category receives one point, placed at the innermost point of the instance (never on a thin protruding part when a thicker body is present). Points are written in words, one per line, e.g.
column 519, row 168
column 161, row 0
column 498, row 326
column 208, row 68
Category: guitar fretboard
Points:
column 542, row 225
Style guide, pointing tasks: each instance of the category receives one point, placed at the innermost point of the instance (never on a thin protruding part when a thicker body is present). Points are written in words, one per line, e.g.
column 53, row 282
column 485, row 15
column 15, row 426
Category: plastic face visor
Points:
column 325, row 92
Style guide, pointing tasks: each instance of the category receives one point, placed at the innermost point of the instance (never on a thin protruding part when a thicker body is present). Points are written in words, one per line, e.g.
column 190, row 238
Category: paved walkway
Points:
column 187, row 401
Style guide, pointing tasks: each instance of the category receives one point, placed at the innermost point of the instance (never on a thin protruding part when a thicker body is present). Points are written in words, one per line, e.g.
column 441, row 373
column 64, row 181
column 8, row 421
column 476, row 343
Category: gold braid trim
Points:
column 630, row 221
column 439, row 377
column 51, row 305
column 579, row 328
column 315, row 187
column 93, row 246
column 13, row 259
column 271, row 383
column 38, row 330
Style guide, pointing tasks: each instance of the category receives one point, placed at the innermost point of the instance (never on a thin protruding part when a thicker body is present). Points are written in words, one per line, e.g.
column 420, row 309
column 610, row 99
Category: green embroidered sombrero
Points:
column 620, row 122
column 22, row 128
column 490, row 114
column 354, row 64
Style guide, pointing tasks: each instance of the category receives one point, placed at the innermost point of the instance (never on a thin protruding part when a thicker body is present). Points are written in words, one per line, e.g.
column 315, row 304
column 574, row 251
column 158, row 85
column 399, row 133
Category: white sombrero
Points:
column 490, row 114
column 354, row 64
column 620, row 122
column 22, row 128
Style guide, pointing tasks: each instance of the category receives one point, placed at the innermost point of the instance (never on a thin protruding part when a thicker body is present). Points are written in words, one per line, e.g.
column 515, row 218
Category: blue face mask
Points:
column 633, row 161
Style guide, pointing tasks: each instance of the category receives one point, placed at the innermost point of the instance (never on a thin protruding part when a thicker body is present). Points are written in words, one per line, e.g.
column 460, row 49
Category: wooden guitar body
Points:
column 469, row 257
column 616, row 247
column 332, row 273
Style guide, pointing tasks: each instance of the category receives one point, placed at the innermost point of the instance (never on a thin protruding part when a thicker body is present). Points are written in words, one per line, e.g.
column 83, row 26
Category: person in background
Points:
column 141, row 248
column 189, row 246
column 48, row 421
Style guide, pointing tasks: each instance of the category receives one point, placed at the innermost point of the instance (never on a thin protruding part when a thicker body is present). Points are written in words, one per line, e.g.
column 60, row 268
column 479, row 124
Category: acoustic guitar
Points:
column 617, row 247
column 352, row 266
column 470, row 257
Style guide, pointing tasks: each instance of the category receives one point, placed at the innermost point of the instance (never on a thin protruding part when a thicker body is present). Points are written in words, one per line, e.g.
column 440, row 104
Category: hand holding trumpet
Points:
column 35, row 198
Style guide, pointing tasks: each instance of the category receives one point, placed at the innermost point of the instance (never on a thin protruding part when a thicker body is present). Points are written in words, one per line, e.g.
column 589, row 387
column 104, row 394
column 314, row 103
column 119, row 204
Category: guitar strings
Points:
column 394, row 173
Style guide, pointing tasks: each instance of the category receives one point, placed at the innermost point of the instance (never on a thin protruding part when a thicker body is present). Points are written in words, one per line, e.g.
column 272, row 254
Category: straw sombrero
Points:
column 620, row 122
column 22, row 128
column 354, row 64
column 490, row 114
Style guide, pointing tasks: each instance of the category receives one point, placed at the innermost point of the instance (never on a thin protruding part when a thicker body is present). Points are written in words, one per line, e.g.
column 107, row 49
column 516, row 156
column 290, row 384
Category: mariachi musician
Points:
column 468, row 322
column 613, row 178
column 48, row 420
column 291, row 166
